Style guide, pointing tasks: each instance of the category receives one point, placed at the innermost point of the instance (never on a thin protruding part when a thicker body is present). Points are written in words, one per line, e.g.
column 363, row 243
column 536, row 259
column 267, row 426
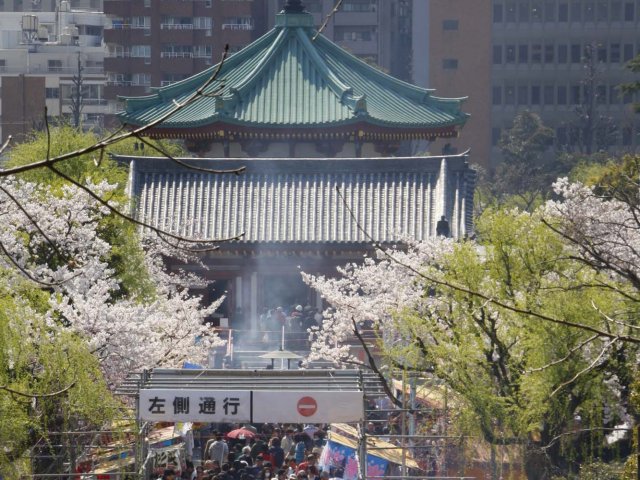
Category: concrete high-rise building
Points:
column 159, row 42
column 508, row 56
column 40, row 54
column 539, row 62
column 456, row 35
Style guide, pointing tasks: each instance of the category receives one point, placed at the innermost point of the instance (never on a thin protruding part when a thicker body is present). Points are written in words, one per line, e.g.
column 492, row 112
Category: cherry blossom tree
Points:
column 53, row 239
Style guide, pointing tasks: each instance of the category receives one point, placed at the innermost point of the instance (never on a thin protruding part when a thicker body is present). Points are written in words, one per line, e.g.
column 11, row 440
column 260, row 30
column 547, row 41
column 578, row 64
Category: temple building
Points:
column 293, row 93
column 315, row 129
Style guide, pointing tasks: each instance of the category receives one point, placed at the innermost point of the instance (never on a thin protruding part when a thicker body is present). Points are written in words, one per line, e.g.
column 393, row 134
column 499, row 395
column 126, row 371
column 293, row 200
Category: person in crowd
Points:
column 281, row 474
column 258, row 465
column 309, row 462
column 265, row 474
column 259, row 447
column 276, row 452
column 218, row 450
column 169, row 474
column 189, row 472
column 290, row 463
column 199, row 472
column 300, row 448
column 287, row 443
column 245, row 455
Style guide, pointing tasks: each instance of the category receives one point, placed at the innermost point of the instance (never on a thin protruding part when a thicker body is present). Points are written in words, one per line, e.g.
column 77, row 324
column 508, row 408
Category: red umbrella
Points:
column 241, row 434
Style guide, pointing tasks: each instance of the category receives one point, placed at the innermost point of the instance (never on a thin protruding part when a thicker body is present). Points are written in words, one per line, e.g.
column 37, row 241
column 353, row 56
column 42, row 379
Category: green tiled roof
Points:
column 286, row 79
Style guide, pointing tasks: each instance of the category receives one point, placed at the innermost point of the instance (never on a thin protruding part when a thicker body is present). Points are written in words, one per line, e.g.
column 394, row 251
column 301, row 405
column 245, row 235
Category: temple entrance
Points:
column 285, row 291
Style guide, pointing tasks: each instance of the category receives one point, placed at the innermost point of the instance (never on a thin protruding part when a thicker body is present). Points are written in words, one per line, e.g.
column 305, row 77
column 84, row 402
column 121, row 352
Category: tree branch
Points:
column 38, row 395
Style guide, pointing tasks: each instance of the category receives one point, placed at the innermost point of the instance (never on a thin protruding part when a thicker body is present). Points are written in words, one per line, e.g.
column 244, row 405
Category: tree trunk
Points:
column 536, row 464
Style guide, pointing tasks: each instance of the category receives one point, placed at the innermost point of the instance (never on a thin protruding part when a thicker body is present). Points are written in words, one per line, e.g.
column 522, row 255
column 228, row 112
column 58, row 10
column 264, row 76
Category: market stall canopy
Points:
column 388, row 451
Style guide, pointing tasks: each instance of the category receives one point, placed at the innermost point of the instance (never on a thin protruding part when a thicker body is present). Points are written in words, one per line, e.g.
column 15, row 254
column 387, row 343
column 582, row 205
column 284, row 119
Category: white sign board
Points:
column 307, row 407
column 161, row 405
column 260, row 406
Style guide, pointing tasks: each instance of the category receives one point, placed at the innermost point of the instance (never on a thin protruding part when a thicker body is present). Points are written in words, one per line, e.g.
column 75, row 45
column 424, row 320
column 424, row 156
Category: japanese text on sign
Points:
column 193, row 405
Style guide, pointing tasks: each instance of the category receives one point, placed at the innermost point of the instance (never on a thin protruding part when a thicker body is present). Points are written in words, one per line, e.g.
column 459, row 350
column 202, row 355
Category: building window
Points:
column 549, row 51
column 359, row 6
column 450, row 24
column 52, row 92
column 562, row 95
column 54, row 65
column 561, row 136
column 523, row 53
column 536, row 11
column 602, row 53
column 523, row 12
column 629, row 12
column 536, row 53
column 497, row 95
column 627, row 135
column 497, row 54
column 601, row 94
column 616, row 11
column 523, row 95
column 602, row 14
column 575, row 94
column 354, row 34
column 498, row 13
column 141, row 51
column 509, row 95
column 563, row 54
column 576, row 11
column 238, row 23
column 3, row 65
column 147, row 3
column 511, row 11
column 614, row 95
column 535, row 95
column 563, row 12
column 576, row 53
column 495, row 136
column 627, row 52
column 549, row 90
column 450, row 63
column 510, row 54
column 614, row 53
column 589, row 12
column 550, row 11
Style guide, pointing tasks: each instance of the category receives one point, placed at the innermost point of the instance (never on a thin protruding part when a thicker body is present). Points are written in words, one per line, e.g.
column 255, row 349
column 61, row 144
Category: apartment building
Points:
column 48, row 5
column 159, row 42
column 40, row 54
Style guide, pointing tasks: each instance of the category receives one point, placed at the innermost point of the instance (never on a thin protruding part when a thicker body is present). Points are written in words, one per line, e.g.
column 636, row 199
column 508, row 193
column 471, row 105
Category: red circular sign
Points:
column 307, row 406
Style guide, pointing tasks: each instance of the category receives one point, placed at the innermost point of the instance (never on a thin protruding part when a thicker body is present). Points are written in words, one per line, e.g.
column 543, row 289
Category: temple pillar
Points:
column 253, row 299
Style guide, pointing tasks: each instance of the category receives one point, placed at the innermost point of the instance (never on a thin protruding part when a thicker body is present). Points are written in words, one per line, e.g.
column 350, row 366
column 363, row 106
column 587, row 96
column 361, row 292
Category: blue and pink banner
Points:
column 340, row 457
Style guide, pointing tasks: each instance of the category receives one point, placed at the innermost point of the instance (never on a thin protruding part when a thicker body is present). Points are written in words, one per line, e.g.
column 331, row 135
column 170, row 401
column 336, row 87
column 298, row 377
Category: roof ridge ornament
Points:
column 294, row 6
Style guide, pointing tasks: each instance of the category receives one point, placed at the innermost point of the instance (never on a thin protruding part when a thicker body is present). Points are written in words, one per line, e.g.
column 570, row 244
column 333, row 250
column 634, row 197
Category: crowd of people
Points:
column 276, row 453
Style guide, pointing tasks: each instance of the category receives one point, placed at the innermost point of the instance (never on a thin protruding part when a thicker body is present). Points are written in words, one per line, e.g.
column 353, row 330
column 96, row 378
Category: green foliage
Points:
column 525, row 176
column 38, row 360
column 633, row 87
column 503, row 366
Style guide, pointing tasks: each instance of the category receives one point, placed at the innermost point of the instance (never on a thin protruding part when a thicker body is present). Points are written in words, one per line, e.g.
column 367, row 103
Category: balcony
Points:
column 176, row 26
column 237, row 26
column 176, row 54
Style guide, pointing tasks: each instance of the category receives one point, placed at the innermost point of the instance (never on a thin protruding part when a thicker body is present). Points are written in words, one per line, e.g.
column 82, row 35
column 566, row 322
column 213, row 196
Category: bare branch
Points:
column 327, row 19
column 5, row 144
column 38, row 395
column 164, row 152
column 585, row 370
column 563, row 359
